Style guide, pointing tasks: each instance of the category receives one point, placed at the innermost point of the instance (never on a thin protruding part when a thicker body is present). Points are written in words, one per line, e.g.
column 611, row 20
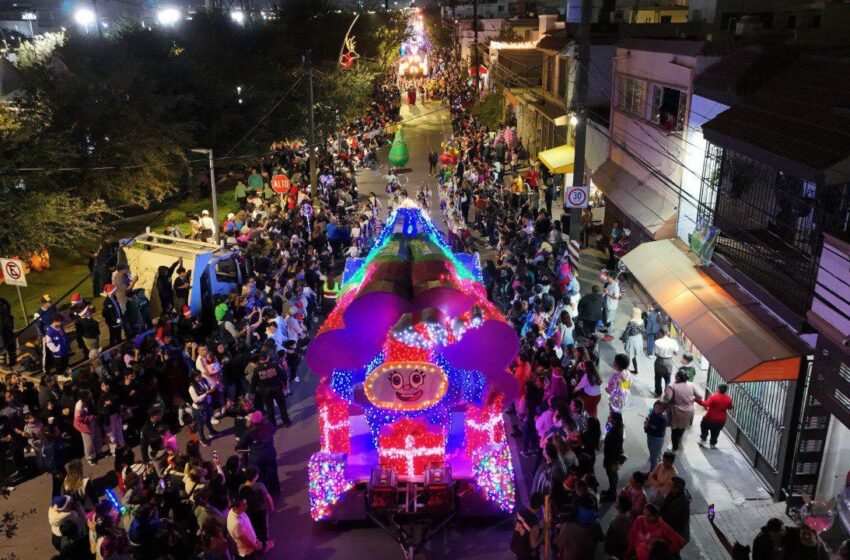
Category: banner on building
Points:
column 703, row 240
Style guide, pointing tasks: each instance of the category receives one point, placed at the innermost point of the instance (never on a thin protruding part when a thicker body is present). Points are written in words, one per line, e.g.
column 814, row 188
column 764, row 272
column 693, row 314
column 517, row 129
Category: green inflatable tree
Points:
column 398, row 153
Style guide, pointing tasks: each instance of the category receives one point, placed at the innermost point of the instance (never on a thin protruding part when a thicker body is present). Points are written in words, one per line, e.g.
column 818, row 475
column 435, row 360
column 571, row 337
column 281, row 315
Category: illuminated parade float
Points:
column 412, row 363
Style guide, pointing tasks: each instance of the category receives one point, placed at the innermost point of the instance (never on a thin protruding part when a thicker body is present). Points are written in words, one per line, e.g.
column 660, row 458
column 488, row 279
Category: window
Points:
column 562, row 77
column 632, row 96
column 668, row 108
column 550, row 74
column 791, row 22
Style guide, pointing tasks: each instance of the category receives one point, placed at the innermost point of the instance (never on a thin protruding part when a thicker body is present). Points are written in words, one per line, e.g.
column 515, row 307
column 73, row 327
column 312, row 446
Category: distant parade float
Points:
column 413, row 375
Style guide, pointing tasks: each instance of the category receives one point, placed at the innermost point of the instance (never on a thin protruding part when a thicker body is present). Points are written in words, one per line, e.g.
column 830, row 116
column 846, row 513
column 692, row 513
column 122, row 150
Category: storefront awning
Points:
column 738, row 346
column 656, row 213
column 559, row 160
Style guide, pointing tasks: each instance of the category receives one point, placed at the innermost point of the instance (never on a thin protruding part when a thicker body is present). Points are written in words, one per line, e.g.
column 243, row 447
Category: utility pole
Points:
column 311, row 148
column 476, row 74
column 97, row 20
column 578, row 106
column 213, row 192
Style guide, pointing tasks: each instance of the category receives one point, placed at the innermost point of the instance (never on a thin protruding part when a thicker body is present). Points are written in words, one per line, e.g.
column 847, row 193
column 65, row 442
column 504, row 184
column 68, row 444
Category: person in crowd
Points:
column 647, row 530
column 634, row 490
column 613, row 457
column 242, row 532
column 56, row 347
column 632, row 338
column 768, row 544
column 113, row 314
column 660, row 479
column 652, row 327
column 617, row 536
column 87, row 424
column 528, row 529
column 259, row 502
column 716, row 407
column 680, row 397
column 612, row 295
column 655, row 427
column 665, row 348
column 675, row 510
column 591, row 310
column 589, row 388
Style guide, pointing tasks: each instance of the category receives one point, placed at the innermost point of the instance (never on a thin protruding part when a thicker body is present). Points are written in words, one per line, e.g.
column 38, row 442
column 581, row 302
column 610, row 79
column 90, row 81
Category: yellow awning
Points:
column 559, row 160
column 712, row 315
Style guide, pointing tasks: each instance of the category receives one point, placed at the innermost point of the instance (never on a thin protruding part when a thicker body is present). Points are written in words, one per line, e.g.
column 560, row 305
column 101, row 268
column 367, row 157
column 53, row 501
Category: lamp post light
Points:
column 168, row 16
column 238, row 16
column 84, row 17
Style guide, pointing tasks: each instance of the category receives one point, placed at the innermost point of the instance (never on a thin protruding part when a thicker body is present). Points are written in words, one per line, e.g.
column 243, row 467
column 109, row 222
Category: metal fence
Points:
column 758, row 414
column 770, row 223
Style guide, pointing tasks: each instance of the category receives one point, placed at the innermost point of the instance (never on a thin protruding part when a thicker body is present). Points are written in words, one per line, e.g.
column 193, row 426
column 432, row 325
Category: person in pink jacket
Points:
column 649, row 529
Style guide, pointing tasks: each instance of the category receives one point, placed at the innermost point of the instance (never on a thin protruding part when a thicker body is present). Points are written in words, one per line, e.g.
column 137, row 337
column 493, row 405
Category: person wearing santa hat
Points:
column 86, row 329
column 113, row 314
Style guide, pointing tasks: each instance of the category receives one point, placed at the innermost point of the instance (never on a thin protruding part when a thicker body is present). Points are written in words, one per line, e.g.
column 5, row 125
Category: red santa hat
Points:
column 76, row 298
column 109, row 289
column 186, row 310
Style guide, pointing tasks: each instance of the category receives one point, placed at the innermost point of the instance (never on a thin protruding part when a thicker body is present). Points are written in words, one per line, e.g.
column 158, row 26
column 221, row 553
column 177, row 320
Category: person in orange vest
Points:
column 330, row 291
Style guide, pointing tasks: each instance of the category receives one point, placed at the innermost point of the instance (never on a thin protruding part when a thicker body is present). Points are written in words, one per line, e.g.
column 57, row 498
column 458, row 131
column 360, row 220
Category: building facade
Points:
column 651, row 97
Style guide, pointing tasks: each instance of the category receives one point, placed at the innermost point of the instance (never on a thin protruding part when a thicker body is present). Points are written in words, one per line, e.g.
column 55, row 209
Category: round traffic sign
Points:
column 280, row 184
column 12, row 270
column 577, row 196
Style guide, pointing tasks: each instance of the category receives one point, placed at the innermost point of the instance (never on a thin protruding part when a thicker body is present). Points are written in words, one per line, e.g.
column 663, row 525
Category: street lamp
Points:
column 238, row 17
column 168, row 16
column 84, row 17
column 209, row 152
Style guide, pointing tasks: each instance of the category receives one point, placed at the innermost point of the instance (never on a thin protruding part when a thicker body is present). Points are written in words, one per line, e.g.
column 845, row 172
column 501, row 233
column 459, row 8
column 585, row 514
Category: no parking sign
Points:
column 13, row 272
column 575, row 197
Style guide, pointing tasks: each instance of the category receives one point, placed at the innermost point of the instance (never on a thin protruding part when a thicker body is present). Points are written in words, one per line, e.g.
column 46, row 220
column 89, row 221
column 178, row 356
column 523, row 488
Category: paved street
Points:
column 714, row 476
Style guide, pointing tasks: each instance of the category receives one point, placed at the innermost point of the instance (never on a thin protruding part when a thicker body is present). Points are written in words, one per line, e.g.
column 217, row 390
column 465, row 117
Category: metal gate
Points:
column 757, row 418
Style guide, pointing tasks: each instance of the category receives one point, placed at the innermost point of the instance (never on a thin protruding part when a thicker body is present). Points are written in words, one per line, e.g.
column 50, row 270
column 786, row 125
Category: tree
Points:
column 390, row 36
column 39, row 209
column 39, row 49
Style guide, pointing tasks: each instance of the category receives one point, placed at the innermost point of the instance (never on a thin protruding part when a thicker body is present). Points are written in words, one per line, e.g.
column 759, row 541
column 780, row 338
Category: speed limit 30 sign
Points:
column 575, row 197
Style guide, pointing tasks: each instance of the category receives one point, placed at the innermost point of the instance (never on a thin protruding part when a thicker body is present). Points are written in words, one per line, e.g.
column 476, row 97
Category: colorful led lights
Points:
column 327, row 482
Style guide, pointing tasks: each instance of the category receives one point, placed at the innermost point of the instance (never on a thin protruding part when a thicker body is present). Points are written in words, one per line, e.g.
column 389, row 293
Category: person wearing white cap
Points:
column 207, row 222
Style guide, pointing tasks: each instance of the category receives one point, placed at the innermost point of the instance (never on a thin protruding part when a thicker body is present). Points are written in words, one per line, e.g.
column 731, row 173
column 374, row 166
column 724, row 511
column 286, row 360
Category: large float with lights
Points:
column 412, row 363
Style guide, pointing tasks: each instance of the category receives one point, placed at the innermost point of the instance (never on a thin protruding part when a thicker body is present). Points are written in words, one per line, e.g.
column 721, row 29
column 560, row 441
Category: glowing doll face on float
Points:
column 406, row 386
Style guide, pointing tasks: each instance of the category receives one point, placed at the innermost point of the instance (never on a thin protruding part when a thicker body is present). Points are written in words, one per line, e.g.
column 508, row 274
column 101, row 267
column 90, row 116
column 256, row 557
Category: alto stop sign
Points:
column 280, row 184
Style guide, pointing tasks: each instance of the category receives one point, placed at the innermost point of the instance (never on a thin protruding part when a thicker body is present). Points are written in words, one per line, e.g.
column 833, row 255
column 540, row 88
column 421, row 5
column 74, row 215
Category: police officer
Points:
column 268, row 385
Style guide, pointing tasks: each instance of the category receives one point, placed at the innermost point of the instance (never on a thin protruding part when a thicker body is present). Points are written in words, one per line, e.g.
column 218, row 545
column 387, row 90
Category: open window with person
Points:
column 668, row 108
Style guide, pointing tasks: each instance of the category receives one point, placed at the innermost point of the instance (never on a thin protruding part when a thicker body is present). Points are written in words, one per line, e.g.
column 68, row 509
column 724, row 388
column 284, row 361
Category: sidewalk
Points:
column 719, row 476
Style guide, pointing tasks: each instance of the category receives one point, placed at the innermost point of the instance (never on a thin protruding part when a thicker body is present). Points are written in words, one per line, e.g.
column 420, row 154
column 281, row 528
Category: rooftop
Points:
column 679, row 47
column 801, row 115
column 742, row 72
